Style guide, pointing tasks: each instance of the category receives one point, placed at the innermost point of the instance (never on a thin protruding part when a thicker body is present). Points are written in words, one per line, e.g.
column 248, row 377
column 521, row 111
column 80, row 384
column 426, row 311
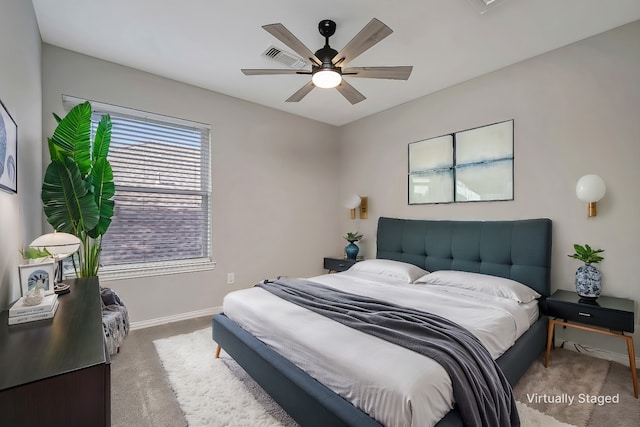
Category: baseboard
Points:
column 174, row 318
column 600, row 353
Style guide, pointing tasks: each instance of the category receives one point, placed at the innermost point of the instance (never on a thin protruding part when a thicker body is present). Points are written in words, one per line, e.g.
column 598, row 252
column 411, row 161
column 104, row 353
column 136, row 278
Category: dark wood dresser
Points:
column 57, row 372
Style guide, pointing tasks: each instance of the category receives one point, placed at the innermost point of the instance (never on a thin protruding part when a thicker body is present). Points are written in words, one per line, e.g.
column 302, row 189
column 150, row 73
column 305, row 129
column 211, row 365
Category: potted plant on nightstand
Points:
column 352, row 249
column 588, row 277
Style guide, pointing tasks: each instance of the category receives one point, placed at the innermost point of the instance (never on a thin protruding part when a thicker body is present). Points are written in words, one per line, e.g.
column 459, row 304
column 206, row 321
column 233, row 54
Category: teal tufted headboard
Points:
column 518, row 250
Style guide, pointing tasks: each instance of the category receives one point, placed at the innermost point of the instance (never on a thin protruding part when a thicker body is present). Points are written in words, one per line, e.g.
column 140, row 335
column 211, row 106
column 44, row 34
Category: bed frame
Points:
column 519, row 250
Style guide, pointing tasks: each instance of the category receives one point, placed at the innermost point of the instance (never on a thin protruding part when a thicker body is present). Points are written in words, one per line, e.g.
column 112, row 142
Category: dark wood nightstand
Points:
column 338, row 264
column 606, row 315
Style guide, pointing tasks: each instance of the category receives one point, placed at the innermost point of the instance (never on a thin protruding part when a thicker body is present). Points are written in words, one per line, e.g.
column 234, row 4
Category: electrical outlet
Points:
column 231, row 278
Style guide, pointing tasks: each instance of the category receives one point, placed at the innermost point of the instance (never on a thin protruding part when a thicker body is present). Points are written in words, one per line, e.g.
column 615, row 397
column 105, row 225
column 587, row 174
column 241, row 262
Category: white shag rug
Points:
column 210, row 394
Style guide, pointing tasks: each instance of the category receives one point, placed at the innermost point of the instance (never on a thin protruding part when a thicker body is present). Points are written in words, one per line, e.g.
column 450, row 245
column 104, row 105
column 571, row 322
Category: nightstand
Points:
column 338, row 264
column 606, row 315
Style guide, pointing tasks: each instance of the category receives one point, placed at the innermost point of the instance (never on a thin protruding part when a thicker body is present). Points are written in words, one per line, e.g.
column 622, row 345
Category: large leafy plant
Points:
column 78, row 186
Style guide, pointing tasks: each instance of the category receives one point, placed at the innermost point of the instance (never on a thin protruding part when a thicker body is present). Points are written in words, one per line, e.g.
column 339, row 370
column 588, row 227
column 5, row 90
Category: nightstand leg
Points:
column 632, row 364
column 218, row 351
column 552, row 325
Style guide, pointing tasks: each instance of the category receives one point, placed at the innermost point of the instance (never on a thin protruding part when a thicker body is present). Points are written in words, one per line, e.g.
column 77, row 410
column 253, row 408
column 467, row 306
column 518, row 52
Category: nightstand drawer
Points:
column 591, row 315
column 336, row 264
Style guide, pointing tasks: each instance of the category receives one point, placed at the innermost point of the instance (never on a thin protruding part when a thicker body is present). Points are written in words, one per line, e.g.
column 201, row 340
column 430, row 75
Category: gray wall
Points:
column 576, row 111
column 274, row 180
column 20, row 92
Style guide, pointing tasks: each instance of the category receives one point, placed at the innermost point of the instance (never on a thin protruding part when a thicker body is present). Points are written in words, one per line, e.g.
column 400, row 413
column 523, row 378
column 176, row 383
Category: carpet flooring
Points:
column 140, row 392
column 142, row 395
column 555, row 390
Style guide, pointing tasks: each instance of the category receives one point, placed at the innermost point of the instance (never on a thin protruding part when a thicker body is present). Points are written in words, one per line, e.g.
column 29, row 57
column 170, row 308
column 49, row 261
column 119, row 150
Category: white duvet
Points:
column 396, row 386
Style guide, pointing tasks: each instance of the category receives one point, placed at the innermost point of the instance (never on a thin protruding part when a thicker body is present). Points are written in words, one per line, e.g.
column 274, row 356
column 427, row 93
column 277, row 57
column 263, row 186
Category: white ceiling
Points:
column 206, row 42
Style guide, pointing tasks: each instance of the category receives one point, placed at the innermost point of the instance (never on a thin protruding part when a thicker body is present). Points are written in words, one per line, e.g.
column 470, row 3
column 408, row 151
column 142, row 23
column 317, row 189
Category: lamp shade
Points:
column 352, row 202
column 326, row 79
column 590, row 188
column 59, row 245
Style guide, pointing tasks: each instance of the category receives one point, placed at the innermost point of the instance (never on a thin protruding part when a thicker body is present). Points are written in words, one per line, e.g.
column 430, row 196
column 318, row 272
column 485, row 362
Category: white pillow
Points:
column 491, row 285
column 386, row 267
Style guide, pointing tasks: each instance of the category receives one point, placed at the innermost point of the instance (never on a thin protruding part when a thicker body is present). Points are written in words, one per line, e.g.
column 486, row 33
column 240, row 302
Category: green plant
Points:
column 586, row 254
column 78, row 186
column 352, row 237
column 34, row 253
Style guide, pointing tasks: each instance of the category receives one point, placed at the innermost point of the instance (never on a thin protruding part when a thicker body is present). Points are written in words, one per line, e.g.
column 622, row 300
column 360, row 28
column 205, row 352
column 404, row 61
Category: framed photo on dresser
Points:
column 32, row 275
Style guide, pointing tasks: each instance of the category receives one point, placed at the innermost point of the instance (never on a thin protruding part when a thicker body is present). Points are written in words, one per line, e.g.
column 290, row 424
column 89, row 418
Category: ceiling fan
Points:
column 327, row 64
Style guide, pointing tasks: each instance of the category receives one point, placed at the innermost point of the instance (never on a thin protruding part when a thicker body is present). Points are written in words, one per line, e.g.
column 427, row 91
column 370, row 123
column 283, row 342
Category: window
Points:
column 161, row 168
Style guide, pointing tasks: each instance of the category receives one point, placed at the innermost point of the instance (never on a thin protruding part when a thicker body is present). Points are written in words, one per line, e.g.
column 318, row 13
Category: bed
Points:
column 519, row 250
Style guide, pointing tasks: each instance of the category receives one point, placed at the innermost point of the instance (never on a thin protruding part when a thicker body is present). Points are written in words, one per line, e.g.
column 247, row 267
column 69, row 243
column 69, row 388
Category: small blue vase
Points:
column 588, row 282
column 351, row 250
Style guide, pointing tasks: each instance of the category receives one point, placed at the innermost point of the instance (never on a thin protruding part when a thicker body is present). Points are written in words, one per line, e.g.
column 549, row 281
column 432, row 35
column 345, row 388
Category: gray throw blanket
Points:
column 115, row 319
column 481, row 391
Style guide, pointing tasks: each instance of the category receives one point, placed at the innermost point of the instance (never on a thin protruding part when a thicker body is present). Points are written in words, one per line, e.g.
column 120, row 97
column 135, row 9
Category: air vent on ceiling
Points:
column 286, row 58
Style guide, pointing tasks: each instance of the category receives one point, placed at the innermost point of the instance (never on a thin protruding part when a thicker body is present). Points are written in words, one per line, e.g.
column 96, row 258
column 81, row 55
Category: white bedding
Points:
column 396, row 386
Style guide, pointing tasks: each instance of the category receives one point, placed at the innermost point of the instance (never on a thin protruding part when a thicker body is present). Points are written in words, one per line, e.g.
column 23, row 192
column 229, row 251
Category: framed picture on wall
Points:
column 431, row 178
column 484, row 163
column 8, row 151
column 33, row 275
column 472, row 165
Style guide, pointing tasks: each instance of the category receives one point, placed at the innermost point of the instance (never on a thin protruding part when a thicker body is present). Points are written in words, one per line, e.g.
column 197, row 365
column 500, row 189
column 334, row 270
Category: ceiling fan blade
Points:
column 393, row 73
column 301, row 93
column 280, row 32
column 269, row 71
column 350, row 92
column 371, row 34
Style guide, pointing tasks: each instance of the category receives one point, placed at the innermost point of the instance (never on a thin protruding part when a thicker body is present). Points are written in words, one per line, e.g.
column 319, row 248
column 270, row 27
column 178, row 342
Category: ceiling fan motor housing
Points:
column 326, row 74
column 327, row 28
column 325, row 55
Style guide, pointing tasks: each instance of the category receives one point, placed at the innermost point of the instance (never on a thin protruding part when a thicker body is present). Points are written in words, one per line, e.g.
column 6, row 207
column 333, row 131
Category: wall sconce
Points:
column 354, row 202
column 590, row 189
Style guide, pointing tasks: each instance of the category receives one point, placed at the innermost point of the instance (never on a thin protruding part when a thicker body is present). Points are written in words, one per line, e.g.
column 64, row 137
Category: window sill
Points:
column 133, row 271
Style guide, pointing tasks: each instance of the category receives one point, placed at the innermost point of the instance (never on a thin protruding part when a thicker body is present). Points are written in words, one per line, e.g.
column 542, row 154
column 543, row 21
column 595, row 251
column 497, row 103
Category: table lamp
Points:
column 59, row 246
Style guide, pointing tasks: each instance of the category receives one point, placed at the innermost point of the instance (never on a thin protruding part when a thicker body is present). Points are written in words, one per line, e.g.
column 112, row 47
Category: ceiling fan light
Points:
column 326, row 78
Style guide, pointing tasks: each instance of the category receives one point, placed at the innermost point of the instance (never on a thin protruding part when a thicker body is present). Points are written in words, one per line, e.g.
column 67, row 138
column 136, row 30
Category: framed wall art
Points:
column 466, row 166
column 8, row 151
column 431, row 170
column 32, row 275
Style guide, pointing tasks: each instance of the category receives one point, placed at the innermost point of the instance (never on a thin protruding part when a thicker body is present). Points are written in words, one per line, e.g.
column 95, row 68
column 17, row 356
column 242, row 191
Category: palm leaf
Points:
column 55, row 152
column 104, row 189
column 68, row 205
column 72, row 137
column 102, row 140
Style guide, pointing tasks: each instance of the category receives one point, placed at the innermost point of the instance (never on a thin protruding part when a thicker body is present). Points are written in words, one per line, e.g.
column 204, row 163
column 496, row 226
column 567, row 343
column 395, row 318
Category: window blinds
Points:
column 162, row 202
